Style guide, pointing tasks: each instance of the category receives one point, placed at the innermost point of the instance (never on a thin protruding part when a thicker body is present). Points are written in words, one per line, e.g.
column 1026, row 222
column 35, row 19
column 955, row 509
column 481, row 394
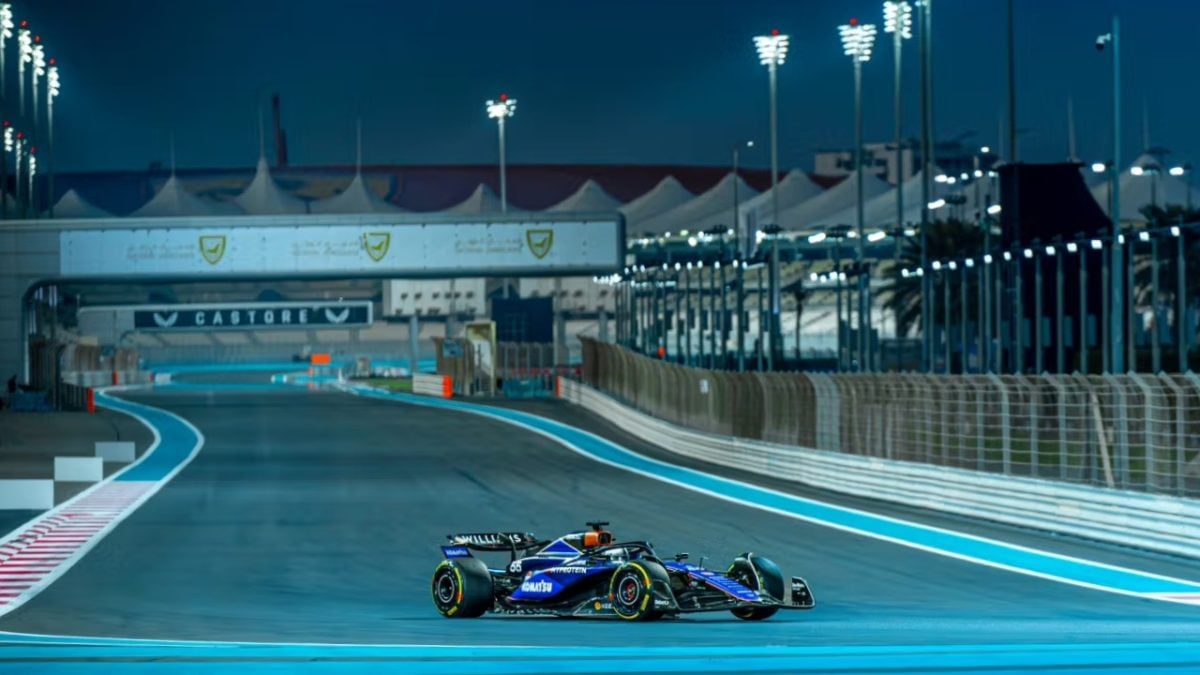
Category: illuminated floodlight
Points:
column 1008, row 256
column 897, row 17
column 817, row 238
column 1099, row 167
column 1072, row 247
column 1144, row 236
column 937, row 265
column 940, row 178
column 1028, row 253
column 994, row 209
column 53, row 85
column 978, row 173
column 1050, row 250
column 501, row 108
column 904, row 272
column 1097, row 245
column 985, row 150
column 692, row 241
column 969, row 262
column 965, row 176
column 953, row 266
column 992, row 174
column 689, row 265
column 951, row 180
column 1121, row 239
column 852, row 234
column 1175, row 231
column 812, row 276
column 910, row 232
column 842, row 276
column 987, row 258
column 936, row 204
column 1177, row 171
column 1137, row 170
column 878, row 235
column 729, row 232
column 772, row 49
column 857, row 40
column 920, row 271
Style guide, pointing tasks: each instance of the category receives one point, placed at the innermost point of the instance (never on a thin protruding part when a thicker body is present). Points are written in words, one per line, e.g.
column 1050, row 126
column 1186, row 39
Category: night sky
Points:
column 598, row 81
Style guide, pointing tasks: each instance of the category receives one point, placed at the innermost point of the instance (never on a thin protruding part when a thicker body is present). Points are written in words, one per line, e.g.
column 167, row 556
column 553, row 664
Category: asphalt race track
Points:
column 315, row 518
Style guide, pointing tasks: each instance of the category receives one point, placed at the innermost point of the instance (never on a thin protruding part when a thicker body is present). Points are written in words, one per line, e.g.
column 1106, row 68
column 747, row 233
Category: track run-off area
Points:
column 284, row 529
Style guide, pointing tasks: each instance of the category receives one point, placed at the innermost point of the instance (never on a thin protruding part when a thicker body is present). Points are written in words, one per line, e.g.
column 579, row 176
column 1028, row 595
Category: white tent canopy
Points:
column 590, row 197
column 712, row 208
column 816, row 213
column 668, row 194
column 264, row 198
column 880, row 211
column 794, row 189
column 73, row 205
column 172, row 201
column 356, row 198
column 1145, row 190
column 482, row 200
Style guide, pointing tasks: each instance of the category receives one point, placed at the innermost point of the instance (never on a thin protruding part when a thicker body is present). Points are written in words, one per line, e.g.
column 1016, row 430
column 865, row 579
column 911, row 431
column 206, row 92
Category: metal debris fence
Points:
column 1134, row 431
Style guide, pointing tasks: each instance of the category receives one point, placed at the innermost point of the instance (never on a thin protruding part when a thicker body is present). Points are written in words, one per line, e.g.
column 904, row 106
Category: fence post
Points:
column 1121, row 427
column 1005, row 425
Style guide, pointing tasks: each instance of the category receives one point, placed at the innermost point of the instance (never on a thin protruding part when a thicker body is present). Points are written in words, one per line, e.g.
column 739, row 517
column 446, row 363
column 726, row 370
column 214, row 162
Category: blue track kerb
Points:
column 176, row 440
column 975, row 549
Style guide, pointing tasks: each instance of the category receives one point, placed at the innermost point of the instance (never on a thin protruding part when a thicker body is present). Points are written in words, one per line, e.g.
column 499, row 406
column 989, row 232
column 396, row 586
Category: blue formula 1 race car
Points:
column 589, row 574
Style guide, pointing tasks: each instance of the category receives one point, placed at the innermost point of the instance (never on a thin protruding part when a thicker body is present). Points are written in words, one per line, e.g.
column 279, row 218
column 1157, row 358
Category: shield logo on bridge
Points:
column 212, row 247
column 376, row 244
column 539, row 242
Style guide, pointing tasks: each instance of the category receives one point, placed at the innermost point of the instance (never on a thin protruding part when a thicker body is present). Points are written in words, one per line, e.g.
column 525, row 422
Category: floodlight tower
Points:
column 53, row 86
column 38, row 70
column 6, row 31
column 897, row 20
column 500, row 110
column 24, row 55
column 772, row 52
column 857, row 41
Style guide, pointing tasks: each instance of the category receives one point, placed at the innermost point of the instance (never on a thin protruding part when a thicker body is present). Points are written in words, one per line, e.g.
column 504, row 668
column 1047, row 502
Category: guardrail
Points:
column 1153, row 522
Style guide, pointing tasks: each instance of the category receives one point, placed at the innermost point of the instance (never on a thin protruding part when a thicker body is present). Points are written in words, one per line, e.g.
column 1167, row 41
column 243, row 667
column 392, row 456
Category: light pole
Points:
column 1116, row 268
column 857, row 41
column 6, row 31
column 743, row 250
column 24, row 55
column 53, row 87
column 18, row 148
column 897, row 20
column 38, row 69
column 772, row 52
column 500, row 110
column 925, row 53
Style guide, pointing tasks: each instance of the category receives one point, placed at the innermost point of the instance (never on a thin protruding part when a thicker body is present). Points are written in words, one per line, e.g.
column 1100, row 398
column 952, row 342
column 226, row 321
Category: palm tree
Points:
column 948, row 240
column 801, row 295
column 1158, row 218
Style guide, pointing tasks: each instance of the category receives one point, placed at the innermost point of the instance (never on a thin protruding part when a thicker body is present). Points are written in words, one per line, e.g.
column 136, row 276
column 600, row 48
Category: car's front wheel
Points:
column 462, row 588
column 631, row 590
column 758, row 574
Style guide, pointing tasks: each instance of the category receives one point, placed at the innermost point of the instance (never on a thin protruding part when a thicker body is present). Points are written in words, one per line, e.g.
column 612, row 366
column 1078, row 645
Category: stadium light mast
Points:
column 857, row 41
column 500, row 110
column 24, row 55
column 6, row 31
column 53, row 87
column 38, row 59
column 772, row 53
column 897, row 20
column 1116, row 342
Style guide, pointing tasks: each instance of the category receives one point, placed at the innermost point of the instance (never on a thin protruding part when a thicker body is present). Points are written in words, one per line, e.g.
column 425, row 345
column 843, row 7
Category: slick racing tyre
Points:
column 462, row 588
column 758, row 574
column 631, row 590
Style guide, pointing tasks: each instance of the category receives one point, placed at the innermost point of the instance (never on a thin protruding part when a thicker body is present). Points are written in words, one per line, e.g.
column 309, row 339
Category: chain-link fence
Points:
column 1135, row 431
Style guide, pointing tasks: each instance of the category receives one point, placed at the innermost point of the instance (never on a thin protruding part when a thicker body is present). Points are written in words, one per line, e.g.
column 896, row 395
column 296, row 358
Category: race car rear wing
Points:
column 496, row 541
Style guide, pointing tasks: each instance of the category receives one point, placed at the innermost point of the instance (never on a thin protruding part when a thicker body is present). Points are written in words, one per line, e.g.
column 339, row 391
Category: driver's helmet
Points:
column 616, row 555
column 597, row 538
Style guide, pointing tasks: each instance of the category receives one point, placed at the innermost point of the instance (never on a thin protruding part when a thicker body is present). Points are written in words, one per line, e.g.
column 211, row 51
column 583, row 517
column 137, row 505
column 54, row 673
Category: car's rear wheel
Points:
column 758, row 574
column 631, row 590
column 462, row 588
